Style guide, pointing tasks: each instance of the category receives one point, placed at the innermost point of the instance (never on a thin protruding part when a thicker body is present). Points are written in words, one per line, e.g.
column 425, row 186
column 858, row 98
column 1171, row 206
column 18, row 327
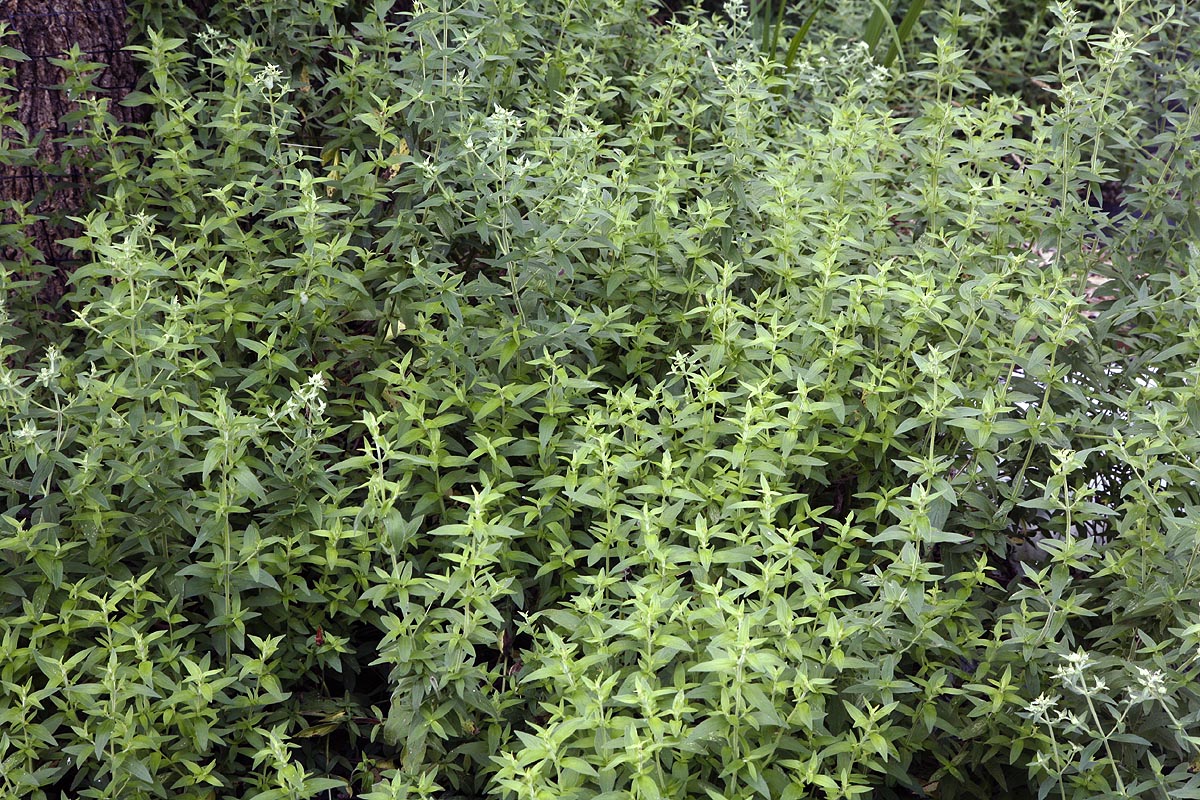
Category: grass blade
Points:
column 800, row 36
column 906, row 26
column 874, row 28
column 778, row 29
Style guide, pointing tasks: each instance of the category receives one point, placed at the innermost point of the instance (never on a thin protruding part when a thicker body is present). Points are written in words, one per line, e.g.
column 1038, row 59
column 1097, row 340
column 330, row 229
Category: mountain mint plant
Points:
column 529, row 399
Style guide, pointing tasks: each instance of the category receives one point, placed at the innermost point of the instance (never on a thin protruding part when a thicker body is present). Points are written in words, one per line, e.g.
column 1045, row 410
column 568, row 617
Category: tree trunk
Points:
column 56, row 185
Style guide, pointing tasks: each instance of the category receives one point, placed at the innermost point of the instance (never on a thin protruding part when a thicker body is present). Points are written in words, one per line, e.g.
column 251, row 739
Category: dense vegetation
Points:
column 534, row 399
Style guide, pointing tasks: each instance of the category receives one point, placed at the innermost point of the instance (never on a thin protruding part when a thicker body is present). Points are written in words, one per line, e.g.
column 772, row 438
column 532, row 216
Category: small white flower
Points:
column 504, row 121
column 1079, row 661
column 736, row 10
column 1041, row 706
column 308, row 400
column 27, row 432
column 51, row 371
column 211, row 39
column 267, row 77
column 849, row 54
column 1071, row 671
column 1153, row 683
column 142, row 221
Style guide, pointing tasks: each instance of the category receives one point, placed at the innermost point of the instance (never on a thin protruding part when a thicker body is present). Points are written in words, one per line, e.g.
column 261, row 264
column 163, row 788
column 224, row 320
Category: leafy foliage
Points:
column 527, row 399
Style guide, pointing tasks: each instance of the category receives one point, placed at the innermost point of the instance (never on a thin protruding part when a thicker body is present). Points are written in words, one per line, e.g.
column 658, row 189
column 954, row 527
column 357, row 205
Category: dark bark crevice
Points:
column 57, row 183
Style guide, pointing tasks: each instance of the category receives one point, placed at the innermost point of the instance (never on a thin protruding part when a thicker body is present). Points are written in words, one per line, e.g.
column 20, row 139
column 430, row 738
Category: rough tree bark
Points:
column 44, row 30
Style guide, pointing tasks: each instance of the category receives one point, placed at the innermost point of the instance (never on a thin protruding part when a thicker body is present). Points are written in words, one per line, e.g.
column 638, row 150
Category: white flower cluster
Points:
column 10, row 389
column 737, row 12
column 266, row 78
column 1071, row 673
column 1039, row 709
column 501, row 130
column 49, row 373
column 27, row 433
column 308, row 400
column 503, row 126
column 580, row 139
column 684, row 364
column 211, row 39
column 852, row 66
column 1152, row 685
